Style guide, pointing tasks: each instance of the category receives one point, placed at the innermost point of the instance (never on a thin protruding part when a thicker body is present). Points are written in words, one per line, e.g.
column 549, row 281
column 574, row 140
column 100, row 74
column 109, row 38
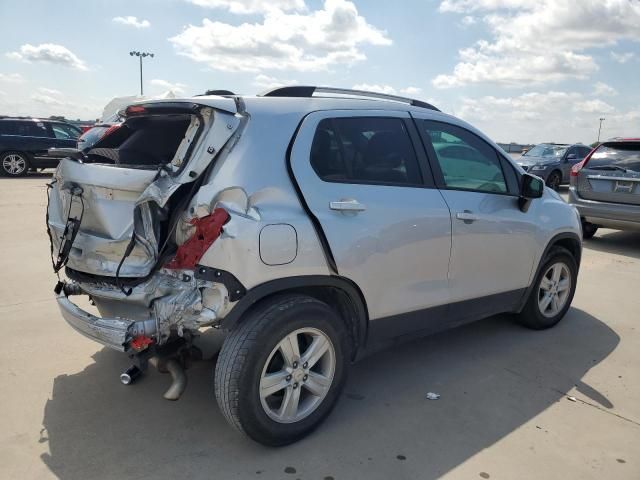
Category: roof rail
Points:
column 308, row 91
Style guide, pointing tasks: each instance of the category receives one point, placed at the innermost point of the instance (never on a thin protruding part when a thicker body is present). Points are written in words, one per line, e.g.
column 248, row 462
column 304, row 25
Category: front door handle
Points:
column 347, row 205
column 467, row 216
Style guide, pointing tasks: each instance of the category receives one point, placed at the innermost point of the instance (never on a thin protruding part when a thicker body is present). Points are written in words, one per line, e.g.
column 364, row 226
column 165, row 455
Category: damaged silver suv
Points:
column 314, row 225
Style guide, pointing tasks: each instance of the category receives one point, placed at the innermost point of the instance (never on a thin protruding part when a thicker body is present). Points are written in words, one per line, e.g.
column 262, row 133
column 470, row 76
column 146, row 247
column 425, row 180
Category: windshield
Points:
column 623, row 156
column 543, row 150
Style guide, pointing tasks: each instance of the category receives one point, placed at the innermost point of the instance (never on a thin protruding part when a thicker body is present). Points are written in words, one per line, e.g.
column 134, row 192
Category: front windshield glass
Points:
column 543, row 150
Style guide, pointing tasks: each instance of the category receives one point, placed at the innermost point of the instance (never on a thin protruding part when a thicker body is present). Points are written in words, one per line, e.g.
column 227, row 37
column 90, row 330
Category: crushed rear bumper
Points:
column 114, row 333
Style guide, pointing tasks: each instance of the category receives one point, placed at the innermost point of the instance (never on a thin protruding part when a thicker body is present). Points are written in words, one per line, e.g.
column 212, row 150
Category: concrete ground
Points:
column 515, row 404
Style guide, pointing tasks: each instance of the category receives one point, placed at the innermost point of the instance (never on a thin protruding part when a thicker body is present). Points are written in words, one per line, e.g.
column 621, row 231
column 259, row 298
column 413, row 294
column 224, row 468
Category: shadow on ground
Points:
column 493, row 375
column 625, row 243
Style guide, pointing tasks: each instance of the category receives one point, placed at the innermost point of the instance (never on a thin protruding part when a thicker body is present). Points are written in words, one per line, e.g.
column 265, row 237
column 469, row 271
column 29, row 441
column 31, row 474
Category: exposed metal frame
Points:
column 309, row 91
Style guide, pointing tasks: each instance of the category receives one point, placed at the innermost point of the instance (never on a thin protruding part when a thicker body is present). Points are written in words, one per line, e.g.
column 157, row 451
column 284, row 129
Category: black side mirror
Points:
column 531, row 186
column 572, row 156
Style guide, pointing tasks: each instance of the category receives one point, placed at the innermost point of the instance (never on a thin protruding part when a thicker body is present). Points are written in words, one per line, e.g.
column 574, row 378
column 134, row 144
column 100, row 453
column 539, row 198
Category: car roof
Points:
column 34, row 119
column 622, row 139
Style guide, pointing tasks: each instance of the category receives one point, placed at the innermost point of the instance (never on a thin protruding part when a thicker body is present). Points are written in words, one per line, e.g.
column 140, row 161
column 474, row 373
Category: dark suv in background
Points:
column 553, row 161
column 24, row 142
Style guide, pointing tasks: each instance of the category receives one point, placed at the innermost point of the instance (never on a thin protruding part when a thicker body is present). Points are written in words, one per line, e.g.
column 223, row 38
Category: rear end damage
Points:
column 127, row 225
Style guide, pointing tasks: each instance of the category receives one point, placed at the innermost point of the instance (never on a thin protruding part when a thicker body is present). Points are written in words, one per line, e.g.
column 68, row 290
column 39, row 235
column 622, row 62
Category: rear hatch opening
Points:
column 111, row 216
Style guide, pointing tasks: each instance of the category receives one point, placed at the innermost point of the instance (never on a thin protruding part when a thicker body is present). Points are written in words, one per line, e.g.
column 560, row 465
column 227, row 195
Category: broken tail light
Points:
column 578, row 166
column 207, row 230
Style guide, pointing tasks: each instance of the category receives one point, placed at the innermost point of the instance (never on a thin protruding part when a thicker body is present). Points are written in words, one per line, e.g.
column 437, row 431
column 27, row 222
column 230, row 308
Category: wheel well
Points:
column 571, row 244
column 346, row 300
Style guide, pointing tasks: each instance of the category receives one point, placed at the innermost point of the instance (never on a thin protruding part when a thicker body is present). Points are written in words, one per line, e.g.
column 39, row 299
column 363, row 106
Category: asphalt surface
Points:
column 515, row 404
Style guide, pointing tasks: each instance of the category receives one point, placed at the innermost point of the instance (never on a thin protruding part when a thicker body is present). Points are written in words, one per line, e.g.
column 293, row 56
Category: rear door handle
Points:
column 347, row 205
column 467, row 216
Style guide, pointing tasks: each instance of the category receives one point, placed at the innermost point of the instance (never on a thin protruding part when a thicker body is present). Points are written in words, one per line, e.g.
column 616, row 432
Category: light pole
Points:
column 140, row 55
column 600, row 128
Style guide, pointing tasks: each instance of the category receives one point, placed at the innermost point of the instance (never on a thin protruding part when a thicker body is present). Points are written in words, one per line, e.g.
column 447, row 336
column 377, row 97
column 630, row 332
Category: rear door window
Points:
column 374, row 150
column 24, row 128
column 619, row 156
column 64, row 132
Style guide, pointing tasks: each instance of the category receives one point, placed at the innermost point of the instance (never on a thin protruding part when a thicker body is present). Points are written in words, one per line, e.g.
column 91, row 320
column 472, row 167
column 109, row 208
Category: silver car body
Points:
column 404, row 249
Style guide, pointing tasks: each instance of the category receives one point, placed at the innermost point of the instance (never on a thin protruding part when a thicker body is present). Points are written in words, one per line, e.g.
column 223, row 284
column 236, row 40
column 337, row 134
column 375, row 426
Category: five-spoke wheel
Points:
column 280, row 372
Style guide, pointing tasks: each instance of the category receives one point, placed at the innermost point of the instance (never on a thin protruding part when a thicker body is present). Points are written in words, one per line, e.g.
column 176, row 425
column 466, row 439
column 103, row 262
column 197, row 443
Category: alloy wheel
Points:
column 554, row 289
column 14, row 164
column 297, row 375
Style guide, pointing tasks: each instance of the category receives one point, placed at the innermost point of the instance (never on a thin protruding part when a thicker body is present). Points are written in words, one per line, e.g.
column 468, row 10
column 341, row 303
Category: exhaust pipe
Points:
column 178, row 377
column 130, row 375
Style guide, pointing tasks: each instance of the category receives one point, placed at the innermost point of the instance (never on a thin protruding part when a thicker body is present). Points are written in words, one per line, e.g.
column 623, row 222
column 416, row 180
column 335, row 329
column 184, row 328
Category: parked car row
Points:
column 25, row 141
column 553, row 161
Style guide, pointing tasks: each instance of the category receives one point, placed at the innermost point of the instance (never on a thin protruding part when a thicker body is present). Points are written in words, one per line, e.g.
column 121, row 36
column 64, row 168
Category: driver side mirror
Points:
column 531, row 186
column 572, row 156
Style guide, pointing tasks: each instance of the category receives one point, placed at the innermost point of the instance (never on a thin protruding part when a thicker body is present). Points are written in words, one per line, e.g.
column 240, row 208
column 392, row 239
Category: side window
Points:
column 573, row 150
column 584, row 151
column 467, row 162
column 64, row 132
column 31, row 129
column 375, row 150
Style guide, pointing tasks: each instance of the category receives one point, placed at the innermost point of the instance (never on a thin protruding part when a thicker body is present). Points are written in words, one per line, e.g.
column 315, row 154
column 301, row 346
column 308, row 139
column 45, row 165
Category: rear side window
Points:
column 25, row 128
column 466, row 161
column 374, row 150
column 618, row 156
column 64, row 132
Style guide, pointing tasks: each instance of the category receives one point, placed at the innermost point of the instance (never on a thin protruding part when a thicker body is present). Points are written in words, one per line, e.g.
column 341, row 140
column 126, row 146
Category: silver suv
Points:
column 314, row 225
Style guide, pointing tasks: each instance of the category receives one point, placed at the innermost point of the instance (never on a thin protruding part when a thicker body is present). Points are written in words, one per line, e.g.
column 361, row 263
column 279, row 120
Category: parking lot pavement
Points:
column 515, row 404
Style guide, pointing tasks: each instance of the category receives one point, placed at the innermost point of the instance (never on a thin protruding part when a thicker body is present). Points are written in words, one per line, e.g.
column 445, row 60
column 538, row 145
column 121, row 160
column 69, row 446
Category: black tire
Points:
column 554, row 180
column 588, row 230
column 248, row 348
column 5, row 168
column 531, row 316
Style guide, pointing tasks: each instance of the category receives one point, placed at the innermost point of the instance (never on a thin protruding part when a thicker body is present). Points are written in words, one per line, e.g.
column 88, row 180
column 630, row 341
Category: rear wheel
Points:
column 588, row 230
column 14, row 164
column 554, row 180
column 281, row 371
column 552, row 292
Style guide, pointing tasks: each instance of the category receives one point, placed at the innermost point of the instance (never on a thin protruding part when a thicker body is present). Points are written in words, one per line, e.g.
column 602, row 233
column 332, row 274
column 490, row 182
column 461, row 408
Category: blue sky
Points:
column 521, row 70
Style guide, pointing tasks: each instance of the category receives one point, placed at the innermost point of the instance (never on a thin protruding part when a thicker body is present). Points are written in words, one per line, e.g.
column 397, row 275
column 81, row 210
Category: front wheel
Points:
column 554, row 180
column 281, row 371
column 14, row 164
column 552, row 292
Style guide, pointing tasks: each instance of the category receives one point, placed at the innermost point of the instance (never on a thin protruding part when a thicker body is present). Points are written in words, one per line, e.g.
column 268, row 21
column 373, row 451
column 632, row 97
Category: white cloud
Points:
column 131, row 21
column 252, row 6
column 387, row 89
column 49, row 53
column 546, row 116
column 310, row 41
column 468, row 20
column 177, row 87
column 266, row 82
column 622, row 57
column 602, row 89
column 49, row 91
column 11, row 78
column 539, row 41
column 47, row 99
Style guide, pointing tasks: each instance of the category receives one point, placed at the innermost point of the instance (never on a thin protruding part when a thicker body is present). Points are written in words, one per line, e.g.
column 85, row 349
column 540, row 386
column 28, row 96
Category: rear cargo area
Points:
column 102, row 216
